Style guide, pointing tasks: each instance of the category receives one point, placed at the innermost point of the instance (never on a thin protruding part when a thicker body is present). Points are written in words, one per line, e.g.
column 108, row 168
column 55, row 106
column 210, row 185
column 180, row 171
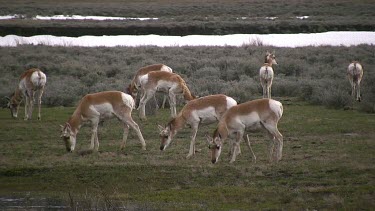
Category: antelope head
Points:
column 270, row 58
column 166, row 134
column 132, row 90
column 215, row 145
column 68, row 136
column 13, row 106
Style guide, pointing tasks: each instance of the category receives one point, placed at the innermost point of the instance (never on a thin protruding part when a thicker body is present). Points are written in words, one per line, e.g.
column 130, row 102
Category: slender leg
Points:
column 277, row 142
column 129, row 120
column 164, row 99
column 251, row 149
column 358, row 92
column 236, row 150
column 172, row 101
column 40, row 102
column 31, row 104
column 193, row 137
column 279, row 138
column 353, row 89
column 156, row 103
column 94, row 135
column 142, row 104
column 138, row 98
column 26, row 108
column 269, row 90
column 271, row 145
column 239, row 137
column 264, row 86
column 124, row 136
column 18, row 108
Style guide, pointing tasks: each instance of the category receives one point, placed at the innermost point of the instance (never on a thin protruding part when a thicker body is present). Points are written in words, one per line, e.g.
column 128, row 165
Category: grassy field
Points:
column 328, row 157
column 327, row 164
column 315, row 74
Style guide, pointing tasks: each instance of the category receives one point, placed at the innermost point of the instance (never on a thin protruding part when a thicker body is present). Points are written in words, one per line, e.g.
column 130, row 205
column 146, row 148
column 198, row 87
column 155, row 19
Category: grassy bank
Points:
column 315, row 74
column 327, row 164
column 189, row 17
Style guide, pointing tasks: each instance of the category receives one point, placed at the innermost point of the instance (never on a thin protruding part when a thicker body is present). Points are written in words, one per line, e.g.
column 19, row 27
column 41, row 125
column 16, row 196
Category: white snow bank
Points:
column 80, row 17
column 277, row 40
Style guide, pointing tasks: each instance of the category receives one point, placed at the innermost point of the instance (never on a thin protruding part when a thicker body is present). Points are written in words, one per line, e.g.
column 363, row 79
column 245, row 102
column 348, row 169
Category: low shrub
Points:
column 302, row 72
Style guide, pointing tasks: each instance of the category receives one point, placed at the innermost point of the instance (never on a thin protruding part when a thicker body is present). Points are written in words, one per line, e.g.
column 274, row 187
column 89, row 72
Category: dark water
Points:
column 31, row 203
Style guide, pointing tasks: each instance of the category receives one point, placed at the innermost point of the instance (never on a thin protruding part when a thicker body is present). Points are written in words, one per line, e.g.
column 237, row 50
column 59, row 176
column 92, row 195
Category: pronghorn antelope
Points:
column 170, row 83
column 266, row 74
column 355, row 73
column 98, row 106
column 134, row 85
column 204, row 110
column 261, row 113
column 31, row 81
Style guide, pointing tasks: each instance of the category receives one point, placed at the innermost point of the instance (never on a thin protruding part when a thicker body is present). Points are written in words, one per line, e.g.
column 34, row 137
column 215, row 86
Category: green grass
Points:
column 327, row 164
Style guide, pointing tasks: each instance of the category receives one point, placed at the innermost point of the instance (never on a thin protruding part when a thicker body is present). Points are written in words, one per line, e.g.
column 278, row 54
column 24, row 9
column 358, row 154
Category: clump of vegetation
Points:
column 315, row 74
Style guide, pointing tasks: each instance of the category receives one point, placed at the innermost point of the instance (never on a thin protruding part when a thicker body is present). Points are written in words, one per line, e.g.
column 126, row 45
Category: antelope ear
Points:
column 62, row 127
column 217, row 142
column 7, row 98
column 161, row 128
column 209, row 139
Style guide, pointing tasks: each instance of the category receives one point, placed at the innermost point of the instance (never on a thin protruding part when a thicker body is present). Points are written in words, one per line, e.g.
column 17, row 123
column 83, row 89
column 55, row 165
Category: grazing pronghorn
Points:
column 171, row 83
column 134, row 85
column 261, row 113
column 266, row 74
column 32, row 81
column 204, row 110
column 98, row 106
column 355, row 73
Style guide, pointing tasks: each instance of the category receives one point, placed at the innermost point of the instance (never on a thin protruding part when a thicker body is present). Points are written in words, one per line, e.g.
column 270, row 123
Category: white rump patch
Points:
column 166, row 68
column 276, row 107
column 143, row 79
column 230, row 102
column 38, row 79
column 266, row 74
column 128, row 100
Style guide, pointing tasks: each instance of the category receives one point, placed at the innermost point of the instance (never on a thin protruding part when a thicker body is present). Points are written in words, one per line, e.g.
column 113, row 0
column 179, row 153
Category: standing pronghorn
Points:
column 163, row 81
column 355, row 73
column 261, row 113
column 266, row 74
column 98, row 106
column 32, row 81
column 134, row 85
column 204, row 110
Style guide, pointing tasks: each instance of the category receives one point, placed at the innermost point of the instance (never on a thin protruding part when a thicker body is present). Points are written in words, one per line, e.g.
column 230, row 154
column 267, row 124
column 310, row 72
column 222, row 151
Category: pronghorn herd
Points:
column 232, row 119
